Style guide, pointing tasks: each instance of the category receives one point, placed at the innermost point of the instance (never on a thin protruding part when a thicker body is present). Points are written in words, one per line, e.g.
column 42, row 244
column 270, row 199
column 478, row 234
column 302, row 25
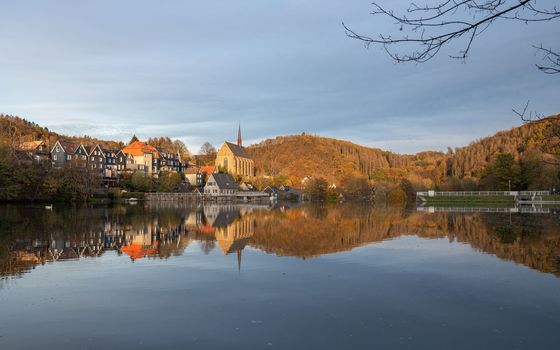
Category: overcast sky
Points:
column 193, row 70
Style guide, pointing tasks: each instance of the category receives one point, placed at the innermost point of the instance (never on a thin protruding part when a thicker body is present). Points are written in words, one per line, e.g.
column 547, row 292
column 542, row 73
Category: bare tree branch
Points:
column 425, row 30
column 551, row 58
column 550, row 143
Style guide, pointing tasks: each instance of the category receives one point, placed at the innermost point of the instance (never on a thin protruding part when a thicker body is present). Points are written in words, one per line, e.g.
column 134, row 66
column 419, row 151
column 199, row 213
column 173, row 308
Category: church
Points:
column 234, row 159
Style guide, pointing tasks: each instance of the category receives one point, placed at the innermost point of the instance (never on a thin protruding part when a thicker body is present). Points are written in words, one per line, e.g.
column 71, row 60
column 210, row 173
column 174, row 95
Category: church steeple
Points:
column 239, row 141
column 239, row 253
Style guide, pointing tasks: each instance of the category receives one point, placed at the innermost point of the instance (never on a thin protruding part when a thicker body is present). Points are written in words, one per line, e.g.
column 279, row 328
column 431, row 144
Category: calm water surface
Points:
column 255, row 277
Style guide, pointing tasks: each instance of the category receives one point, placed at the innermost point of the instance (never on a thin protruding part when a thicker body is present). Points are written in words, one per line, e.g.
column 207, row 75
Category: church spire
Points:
column 239, row 141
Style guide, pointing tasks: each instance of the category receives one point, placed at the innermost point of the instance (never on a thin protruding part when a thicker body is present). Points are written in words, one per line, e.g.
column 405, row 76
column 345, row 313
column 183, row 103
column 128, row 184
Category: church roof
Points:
column 238, row 151
column 225, row 218
column 228, row 247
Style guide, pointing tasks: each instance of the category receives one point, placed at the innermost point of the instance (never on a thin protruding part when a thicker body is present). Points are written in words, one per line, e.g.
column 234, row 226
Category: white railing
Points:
column 481, row 193
column 528, row 210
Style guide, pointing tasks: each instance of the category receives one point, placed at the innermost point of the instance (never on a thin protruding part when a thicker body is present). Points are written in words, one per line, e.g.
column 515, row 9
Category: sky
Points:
column 195, row 70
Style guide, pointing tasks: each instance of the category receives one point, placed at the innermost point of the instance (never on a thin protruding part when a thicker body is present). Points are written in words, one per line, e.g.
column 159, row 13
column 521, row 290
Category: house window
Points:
column 100, row 159
column 57, row 149
column 54, row 157
column 68, row 157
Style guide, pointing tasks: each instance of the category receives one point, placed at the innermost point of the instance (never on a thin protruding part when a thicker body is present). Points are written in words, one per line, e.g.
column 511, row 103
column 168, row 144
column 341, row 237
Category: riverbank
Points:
column 470, row 199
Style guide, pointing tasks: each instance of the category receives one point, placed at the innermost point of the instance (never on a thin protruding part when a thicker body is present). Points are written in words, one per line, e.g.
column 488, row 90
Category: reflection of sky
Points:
column 434, row 294
column 193, row 70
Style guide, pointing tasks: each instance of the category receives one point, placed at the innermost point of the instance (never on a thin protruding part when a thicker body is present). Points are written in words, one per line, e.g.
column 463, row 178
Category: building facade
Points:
column 220, row 185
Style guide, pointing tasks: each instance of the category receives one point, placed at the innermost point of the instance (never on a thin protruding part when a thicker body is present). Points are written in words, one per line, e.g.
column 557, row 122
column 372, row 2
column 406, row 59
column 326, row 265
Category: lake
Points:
column 208, row 276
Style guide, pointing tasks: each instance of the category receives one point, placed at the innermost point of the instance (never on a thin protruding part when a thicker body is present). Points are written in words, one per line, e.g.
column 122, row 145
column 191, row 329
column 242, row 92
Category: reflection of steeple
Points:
column 239, row 253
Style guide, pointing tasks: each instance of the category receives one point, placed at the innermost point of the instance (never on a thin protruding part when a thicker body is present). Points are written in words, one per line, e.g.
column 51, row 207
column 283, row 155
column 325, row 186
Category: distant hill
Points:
column 306, row 155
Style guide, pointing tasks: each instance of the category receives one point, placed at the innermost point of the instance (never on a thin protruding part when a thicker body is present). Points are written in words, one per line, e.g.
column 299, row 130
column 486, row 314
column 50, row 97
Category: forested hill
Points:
column 523, row 142
column 17, row 130
column 306, row 155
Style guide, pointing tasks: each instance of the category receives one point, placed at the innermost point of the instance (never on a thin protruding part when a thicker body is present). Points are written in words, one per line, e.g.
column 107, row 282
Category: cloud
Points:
column 194, row 70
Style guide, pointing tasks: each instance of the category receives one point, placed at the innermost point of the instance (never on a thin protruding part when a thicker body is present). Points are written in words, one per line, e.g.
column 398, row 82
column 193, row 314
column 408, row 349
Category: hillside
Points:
column 305, row 155
column 297, row 156
column 15, row 130
column 520, row 141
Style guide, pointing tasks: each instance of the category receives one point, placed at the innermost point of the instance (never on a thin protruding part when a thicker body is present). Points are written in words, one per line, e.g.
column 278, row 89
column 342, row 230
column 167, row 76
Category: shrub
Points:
column 396, row 196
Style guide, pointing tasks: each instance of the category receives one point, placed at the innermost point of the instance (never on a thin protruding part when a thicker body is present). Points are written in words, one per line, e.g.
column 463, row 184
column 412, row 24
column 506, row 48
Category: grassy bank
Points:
column 470, row 199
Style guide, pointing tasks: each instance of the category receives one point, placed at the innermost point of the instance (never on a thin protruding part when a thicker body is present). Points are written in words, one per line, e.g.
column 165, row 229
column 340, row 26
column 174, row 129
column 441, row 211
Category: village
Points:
column 228, row 179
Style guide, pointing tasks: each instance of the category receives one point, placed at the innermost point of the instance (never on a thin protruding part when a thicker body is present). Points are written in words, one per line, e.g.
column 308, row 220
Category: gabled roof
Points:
column 272, row 189
column 30, row 145
column 237, row 150
column 139, row 148
column 192, row 170
column 225, row 181
column 87, row 148
column 67, row 146
column 228, row 247
column 225, row 218
column 101, row 149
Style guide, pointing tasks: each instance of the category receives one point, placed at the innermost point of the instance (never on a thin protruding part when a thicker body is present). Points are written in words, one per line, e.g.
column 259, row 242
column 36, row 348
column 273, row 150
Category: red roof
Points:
column 137, row 251
column 138, row 148
column 209, row 169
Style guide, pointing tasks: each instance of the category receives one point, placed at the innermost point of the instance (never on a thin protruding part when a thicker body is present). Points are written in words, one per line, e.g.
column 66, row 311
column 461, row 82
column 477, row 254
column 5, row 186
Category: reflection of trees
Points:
column 532, row 240
column 33, row 236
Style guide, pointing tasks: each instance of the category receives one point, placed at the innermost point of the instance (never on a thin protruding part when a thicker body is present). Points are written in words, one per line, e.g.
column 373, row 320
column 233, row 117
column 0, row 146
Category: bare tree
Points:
column 207, row 149
column 551, row 60
column 424, row 30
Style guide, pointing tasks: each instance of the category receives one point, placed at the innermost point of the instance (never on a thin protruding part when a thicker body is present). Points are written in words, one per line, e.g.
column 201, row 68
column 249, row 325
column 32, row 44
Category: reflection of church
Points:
column 232, row 228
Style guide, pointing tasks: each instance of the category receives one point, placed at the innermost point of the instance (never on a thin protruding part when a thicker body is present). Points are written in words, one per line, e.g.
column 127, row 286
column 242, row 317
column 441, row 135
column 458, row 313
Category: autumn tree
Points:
column 141, row 182
column 356, row 187
column 316, row 189
column 169, row 182
column 503, row 174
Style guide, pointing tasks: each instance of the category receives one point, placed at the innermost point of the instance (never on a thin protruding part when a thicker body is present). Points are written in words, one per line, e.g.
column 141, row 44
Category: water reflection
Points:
column 32, row 236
